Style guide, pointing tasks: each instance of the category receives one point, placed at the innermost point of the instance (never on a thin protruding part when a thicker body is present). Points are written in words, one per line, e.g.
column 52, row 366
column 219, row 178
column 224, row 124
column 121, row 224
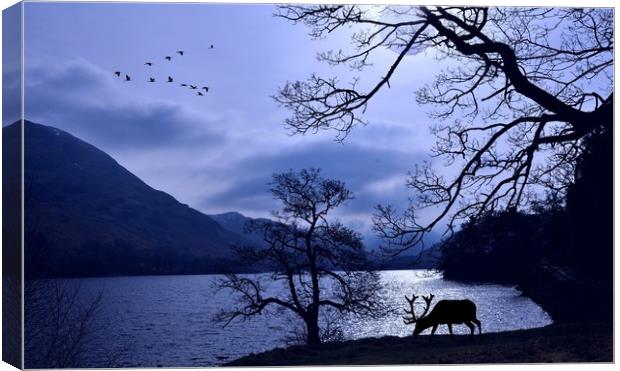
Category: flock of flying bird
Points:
column 170, row 78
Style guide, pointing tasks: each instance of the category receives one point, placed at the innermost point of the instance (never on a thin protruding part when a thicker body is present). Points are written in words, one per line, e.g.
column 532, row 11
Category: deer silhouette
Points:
column 447, row 312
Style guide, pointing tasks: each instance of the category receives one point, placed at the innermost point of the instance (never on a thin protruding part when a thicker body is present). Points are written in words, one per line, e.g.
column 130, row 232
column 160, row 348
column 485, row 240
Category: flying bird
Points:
column 200, row 93
column 151, row 79
column 169, row 58
column 170, row 79
column 117, row 73
column 148, row 64
column 127, row 78
column 211, row 47
column 206, row 88
column 180, row 52
column 183, row 84
column 193, row 87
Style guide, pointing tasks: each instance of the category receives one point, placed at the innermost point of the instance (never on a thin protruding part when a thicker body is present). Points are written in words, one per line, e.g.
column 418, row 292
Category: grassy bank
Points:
column 554, row 343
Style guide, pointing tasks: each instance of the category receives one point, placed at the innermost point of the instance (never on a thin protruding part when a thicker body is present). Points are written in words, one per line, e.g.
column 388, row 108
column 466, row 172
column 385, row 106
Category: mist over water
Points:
column 151, row 321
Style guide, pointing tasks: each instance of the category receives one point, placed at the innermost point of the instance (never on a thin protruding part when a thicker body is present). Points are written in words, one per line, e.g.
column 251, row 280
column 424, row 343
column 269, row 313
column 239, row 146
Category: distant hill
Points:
column 414, row 258
column 237, row 223
column 428, row 259
column 86, row 215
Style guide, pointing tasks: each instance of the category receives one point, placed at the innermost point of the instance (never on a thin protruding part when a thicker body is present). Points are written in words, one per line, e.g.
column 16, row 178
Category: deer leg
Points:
column 433, row 332
column 471, row 326
column 479, row 326
column 450, row 330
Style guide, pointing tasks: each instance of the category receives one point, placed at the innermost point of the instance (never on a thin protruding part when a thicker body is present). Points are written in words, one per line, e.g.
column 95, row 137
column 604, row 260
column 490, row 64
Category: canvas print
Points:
column 202, row 185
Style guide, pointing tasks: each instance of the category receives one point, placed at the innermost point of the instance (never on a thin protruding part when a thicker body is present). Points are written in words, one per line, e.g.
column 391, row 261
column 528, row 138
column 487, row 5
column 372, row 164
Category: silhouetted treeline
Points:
column 576, row 233
column 561, row 249
column 500, row 247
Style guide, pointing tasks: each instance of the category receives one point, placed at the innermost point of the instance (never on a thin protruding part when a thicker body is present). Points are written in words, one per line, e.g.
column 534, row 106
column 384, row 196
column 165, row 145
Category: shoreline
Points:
column 557, row 343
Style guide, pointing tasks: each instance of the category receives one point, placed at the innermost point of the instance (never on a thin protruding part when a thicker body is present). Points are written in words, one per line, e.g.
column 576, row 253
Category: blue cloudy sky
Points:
column 215, row 153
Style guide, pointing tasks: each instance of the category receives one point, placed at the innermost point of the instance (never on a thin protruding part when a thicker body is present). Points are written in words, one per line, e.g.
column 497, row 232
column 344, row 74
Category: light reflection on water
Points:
column 168, row 320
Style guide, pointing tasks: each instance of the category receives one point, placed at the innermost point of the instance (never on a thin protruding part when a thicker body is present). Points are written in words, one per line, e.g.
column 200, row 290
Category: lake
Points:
column 168, row 320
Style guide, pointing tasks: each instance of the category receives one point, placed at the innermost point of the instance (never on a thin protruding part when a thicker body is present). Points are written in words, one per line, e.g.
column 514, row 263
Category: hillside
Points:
column 240, row 224
column 86, row 215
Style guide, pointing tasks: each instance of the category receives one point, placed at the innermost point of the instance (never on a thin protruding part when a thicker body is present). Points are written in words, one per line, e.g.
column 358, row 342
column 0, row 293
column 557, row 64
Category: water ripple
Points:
column 168, row 320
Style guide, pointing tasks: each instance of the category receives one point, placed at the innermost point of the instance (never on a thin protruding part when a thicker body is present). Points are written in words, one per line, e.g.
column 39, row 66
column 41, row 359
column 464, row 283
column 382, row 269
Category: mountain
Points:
column 414, row 258
column 374, row 242
column 238, row 223
column 426, row 259
column 420, row 259
column 86, row 215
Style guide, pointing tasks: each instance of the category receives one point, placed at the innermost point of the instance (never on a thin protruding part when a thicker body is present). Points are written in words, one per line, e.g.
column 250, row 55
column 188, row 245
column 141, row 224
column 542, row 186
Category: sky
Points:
column 218, row 152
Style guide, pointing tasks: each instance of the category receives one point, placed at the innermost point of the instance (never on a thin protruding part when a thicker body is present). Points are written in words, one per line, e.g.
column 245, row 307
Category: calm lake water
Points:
column 168, row 320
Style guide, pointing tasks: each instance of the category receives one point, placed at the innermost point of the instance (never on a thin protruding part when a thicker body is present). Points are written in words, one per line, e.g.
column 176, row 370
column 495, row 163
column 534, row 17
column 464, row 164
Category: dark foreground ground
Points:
column 554, row 343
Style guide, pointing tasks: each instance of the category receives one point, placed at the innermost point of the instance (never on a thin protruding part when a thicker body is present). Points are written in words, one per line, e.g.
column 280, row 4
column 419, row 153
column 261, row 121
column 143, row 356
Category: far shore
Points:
column 558, row 343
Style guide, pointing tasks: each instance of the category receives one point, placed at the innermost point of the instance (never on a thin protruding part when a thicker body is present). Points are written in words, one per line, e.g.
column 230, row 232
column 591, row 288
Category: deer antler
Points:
column 410, row 312
column 428, row 300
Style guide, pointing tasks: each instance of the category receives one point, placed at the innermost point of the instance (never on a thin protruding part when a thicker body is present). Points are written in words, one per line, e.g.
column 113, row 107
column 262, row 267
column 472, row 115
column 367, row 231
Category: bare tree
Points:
column 316, row 263
column 59, row 323
column 526, row 88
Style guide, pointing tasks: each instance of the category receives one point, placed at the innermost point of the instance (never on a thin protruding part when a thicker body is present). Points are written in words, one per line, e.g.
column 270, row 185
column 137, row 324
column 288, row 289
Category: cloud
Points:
column 82, row 99
column 11, row 63
column 374, row 175
column 11, row 96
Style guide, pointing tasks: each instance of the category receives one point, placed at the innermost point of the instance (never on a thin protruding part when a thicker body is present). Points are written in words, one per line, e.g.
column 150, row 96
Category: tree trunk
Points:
column 312, row 328
column 312, row 320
